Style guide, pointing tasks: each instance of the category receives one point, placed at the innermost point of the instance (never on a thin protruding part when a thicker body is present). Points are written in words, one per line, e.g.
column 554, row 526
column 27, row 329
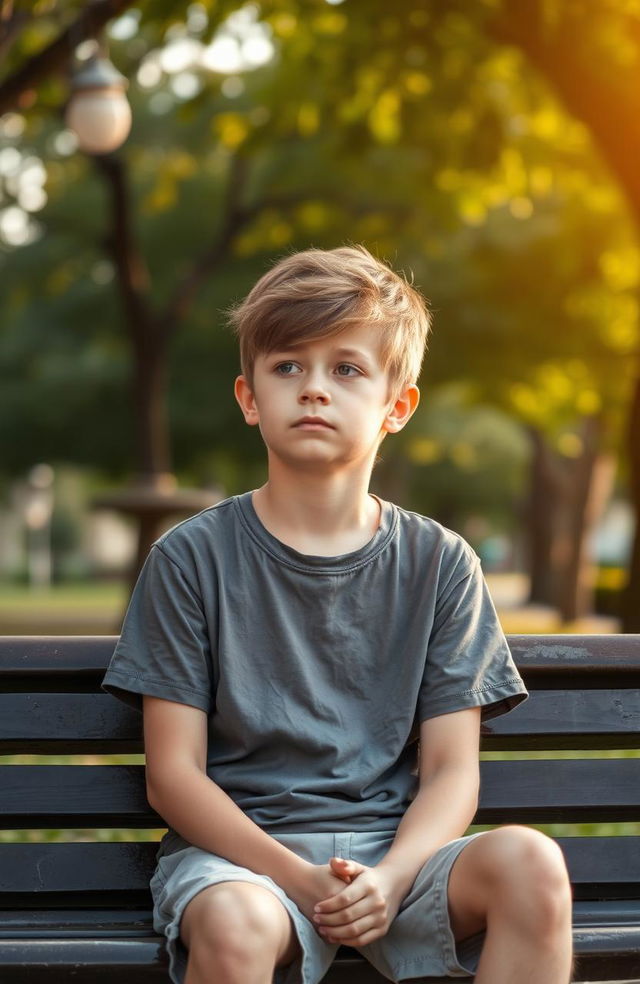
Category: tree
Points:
column 394, row 128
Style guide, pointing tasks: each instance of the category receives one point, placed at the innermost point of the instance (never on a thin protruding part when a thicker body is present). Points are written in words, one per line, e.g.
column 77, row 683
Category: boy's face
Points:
column 325, row 403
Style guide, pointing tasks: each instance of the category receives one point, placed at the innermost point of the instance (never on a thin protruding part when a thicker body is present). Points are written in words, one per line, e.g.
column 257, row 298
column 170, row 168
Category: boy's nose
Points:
column 313, row 391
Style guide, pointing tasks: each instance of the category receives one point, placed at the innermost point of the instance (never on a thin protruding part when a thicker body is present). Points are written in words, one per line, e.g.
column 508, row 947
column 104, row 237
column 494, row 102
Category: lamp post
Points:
column 38, row 509
column 98, row 111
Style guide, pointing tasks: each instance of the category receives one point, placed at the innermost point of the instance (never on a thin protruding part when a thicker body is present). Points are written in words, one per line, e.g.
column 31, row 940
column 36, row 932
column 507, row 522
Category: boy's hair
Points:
column 317, row 293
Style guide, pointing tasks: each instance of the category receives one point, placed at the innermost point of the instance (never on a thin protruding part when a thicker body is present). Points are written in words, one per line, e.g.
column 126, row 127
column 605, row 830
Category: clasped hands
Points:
column 358, row 913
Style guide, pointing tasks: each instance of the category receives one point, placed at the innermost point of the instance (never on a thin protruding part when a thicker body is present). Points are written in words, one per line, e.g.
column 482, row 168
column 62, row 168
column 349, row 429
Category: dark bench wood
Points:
column 80, row 911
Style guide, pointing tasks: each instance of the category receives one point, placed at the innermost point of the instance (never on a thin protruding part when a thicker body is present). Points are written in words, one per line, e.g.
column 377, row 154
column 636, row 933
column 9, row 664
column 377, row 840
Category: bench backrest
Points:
column 585, row 695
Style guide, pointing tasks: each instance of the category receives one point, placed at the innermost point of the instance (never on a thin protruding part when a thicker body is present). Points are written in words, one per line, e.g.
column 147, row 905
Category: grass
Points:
column 96, row 608
column 91, row 608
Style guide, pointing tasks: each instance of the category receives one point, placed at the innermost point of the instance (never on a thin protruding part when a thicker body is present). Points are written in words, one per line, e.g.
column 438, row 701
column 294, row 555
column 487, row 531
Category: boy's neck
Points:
column 322, row 517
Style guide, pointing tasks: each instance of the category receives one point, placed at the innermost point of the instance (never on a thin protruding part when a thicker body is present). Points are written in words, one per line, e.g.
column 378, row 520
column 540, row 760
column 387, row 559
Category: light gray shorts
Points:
column 419, row 942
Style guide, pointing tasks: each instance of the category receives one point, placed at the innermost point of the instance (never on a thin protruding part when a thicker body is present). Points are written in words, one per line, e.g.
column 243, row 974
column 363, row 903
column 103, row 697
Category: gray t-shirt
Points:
column 313, row 671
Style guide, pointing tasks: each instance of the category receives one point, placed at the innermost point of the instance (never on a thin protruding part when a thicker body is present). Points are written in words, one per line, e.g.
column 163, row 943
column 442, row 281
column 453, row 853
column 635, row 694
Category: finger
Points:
column 353, row 932
column 351, row 913
column 352, row 893
column 339, row 868
column 368, row 937
column 343, row 866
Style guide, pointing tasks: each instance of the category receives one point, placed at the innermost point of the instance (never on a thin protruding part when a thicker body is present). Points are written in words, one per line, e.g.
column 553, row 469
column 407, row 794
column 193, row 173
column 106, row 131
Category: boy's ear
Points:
column 402, row 409
column 244, row 396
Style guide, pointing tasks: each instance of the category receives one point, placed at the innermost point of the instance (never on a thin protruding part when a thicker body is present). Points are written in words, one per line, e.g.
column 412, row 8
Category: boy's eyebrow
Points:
column 341, row 353
column 353, row 353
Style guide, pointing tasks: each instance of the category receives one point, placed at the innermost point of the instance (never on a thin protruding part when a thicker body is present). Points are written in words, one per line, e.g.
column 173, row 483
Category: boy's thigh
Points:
column 242, row 912
column 421, row 942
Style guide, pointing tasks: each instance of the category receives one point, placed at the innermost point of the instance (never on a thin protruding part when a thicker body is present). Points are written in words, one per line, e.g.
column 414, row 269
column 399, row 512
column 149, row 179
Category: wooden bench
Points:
column 80, row 911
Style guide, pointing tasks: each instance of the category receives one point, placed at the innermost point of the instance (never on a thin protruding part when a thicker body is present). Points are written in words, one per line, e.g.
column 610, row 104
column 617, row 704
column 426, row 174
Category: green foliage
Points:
column 411, row 130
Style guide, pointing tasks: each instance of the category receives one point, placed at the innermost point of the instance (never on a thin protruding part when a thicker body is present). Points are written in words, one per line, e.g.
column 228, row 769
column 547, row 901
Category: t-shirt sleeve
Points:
column 468, row 661
column 163, row 650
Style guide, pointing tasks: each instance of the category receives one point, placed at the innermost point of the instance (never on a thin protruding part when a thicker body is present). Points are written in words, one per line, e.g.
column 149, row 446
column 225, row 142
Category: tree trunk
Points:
column 539, row 521
column 606, row 102
column 567, row 498
column 631, row 599
column 589, row 482
column 149, row 398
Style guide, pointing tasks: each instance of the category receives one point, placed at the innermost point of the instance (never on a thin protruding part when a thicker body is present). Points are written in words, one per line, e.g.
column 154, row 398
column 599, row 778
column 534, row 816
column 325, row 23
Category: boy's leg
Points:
column 236, row 933
column 513, row 882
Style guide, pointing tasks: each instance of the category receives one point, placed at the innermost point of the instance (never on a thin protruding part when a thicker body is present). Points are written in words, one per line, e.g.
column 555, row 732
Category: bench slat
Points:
column 569, row 719
column 603, row 954
column 601, row 867
column 538, row 791
column 546, row 654
column 97, row 723
column 74, row 796
column 55, row 656
column 73, row 723
column 560, row 790
column 67, row 656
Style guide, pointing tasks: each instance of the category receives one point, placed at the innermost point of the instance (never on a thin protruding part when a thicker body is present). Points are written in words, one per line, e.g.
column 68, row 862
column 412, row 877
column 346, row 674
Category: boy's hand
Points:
column 320, row 882
column 361, row 912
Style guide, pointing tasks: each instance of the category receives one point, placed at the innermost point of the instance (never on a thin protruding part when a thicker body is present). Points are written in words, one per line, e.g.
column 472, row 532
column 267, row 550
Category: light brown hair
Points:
column 316, row 293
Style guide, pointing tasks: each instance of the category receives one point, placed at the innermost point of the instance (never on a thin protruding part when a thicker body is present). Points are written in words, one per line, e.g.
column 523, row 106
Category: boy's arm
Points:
column 443, row 807
column 179, row 789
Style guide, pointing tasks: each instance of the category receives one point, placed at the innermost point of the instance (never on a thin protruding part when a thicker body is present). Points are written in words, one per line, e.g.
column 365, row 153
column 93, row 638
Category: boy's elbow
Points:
column 152, row 794
column 158, row 788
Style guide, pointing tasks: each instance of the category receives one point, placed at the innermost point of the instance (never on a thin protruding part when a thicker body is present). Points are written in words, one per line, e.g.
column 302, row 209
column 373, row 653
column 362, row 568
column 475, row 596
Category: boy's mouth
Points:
column 313, row 421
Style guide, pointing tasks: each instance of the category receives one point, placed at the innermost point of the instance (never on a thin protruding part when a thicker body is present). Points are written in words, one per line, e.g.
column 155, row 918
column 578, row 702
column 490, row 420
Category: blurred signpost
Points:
column 37, row 512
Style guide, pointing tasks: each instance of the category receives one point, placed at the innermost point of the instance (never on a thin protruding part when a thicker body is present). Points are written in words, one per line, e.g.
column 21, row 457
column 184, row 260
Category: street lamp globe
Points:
column 98, row 111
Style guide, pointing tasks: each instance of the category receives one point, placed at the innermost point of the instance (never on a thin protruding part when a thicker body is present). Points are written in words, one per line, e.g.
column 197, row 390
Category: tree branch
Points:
column 11, row 23
column 16, row 91
column 603, row 99
column 133, row 275
column 233, row 220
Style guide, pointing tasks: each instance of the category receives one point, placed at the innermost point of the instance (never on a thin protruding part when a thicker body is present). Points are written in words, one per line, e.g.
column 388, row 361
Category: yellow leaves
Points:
column 513, row 171
column 284, row 24
column 424, row 451
column 525, row 402
column 471, row 208
column 417, row 83
column 231, row 129
column 556, row 390
column 448, row 179
column 384, row 117
column 312, row 216
column 588, row 402
column 308, row 119
column 269, row 231
column 330, row 22
column 570, row 445
column 621, row 267
column 521, row 207
column 621, row 331
column 176, row 166
column 429, row 450
column 547, row 123
column 368, row 81
column 615, row 313
column 540, row 180
column 464, row 455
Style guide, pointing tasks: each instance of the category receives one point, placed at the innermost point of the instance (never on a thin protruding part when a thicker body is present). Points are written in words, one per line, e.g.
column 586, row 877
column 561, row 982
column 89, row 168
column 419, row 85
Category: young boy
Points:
column 290, row 644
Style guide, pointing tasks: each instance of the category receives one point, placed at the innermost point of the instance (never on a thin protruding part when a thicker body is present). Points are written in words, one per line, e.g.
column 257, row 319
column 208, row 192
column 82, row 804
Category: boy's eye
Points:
column 286, row 368
column 344, row 369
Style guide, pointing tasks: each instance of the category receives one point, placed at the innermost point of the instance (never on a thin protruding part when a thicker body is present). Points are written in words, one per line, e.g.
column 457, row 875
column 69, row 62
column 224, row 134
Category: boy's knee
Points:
column 528, row 876
column 233, row 924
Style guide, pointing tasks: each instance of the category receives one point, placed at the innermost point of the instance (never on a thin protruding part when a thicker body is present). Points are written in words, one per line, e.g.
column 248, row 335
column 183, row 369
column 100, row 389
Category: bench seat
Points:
column 80, row 910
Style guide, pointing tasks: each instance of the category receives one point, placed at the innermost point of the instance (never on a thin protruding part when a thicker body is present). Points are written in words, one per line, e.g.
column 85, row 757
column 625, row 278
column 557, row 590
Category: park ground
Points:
column 95, row 608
